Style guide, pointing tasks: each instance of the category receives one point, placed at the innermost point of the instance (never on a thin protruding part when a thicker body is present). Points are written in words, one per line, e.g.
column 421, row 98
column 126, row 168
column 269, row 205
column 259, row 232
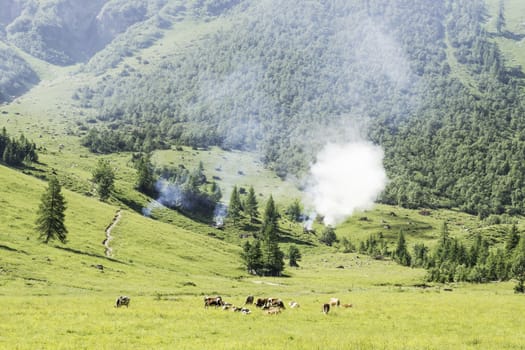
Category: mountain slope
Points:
column 425, row 82
column 143, row 250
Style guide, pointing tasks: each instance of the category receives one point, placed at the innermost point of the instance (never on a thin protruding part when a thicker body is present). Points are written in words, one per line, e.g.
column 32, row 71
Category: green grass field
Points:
column 54, row 296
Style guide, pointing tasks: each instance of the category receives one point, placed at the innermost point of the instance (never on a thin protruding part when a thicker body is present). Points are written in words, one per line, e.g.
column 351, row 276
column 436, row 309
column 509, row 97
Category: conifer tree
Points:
column 273, row 257
column 51, row 214
column 512, row 239
column 294, row 255
column 145, row 179
column 328, row 236
column 235, row 207
column 401, row 254
column 251, row 205
column 518, row 266
column 104, row 178
column 252, row 257
column 294, row 211
column 270, row 218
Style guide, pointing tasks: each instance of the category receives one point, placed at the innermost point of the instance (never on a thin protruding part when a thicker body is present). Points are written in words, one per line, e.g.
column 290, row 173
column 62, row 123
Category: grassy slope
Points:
column 230, row 169
column 55, row 298
column 143, row 250
column 513, row 45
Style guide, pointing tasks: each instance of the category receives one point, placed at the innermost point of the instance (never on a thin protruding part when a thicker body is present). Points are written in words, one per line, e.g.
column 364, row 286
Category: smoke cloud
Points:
column 346, row 178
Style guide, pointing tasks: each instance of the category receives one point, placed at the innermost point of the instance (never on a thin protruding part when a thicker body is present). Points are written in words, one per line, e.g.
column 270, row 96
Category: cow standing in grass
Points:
column 213, row 301
column 122, row 301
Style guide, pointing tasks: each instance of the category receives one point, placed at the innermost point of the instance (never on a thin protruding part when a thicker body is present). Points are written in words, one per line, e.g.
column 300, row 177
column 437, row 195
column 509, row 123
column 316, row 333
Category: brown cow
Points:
column 213, row 301
column 249, row 300
column 347, row 305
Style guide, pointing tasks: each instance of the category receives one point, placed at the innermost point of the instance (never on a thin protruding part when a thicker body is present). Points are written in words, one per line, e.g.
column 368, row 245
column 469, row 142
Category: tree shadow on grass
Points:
column 4, row 247
column 286, row 238
column 75, row 251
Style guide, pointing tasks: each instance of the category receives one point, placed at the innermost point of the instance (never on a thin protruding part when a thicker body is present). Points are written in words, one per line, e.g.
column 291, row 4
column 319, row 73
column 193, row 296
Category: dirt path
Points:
column 116, row 219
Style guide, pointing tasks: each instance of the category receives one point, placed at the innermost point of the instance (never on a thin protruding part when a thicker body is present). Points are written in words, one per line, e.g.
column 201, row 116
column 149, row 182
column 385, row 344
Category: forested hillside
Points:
column 422, row 80
column 16, row 76
column 426, row 81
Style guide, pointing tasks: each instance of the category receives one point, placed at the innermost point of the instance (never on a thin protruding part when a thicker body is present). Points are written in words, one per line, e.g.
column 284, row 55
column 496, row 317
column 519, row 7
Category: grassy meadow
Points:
column 55, row 297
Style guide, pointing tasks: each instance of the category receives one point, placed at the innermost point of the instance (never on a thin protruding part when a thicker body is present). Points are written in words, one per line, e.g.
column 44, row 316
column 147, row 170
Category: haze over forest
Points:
column 424, row 81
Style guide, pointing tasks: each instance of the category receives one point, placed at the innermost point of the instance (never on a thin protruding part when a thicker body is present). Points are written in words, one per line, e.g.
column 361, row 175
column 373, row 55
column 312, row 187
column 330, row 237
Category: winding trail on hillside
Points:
column 115, row 221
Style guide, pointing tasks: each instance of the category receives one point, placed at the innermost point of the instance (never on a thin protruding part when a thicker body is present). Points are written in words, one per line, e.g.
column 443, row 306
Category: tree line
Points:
column 16, row 151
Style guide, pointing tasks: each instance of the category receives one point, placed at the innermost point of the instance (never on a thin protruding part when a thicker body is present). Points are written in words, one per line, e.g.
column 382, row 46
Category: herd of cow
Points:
column 271, row 306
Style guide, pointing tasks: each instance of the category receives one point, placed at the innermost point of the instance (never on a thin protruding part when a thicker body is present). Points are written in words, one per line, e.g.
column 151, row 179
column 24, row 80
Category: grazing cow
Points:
column 274, row 302
column 293, row 304
column 213, row 301
column 326, row 308
column 249, row 300
column 261, row 302
column 122, row 301
column 335, row 302
column 347, row 305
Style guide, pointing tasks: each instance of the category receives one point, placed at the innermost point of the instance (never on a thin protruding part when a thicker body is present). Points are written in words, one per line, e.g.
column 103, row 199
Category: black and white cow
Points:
column 122, row 301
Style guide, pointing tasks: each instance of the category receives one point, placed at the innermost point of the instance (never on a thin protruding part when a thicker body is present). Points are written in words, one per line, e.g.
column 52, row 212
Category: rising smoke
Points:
column 346, row 178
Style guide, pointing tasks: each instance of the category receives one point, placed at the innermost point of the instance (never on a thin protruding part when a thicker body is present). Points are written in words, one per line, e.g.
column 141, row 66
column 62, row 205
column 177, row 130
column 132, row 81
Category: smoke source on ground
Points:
column 346, row 178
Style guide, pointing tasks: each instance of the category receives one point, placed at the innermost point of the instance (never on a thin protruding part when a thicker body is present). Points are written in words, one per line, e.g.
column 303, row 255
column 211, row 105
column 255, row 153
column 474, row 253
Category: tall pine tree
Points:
column 401, row 254
column 104, row 178
column 51, row 214
column 251, row 205
column 273, row 257
column 145, row 178
column 235, row 207
column 518, row 266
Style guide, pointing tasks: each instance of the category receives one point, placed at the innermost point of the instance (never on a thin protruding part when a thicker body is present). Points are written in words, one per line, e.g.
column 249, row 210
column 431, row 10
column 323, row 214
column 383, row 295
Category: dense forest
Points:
column 423, row 81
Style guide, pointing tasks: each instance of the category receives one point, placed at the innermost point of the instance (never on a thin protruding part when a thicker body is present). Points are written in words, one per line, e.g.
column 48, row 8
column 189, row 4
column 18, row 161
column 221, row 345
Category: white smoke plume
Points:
column 219, row 214
column 346, row 178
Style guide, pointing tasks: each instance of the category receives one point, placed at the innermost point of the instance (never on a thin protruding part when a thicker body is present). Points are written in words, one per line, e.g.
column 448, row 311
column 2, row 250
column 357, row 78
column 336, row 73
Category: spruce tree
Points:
column 252, row 257
column 512, row 239
column 251, row 205
column 518, row 266
column 328, row 236
column 51, row 214
column 294, row 211
column 273, row 257
column 270, row 218
column 145, row 179
column 294, row 255
column 401, row 254
column 235, row 207
column 104, row 178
